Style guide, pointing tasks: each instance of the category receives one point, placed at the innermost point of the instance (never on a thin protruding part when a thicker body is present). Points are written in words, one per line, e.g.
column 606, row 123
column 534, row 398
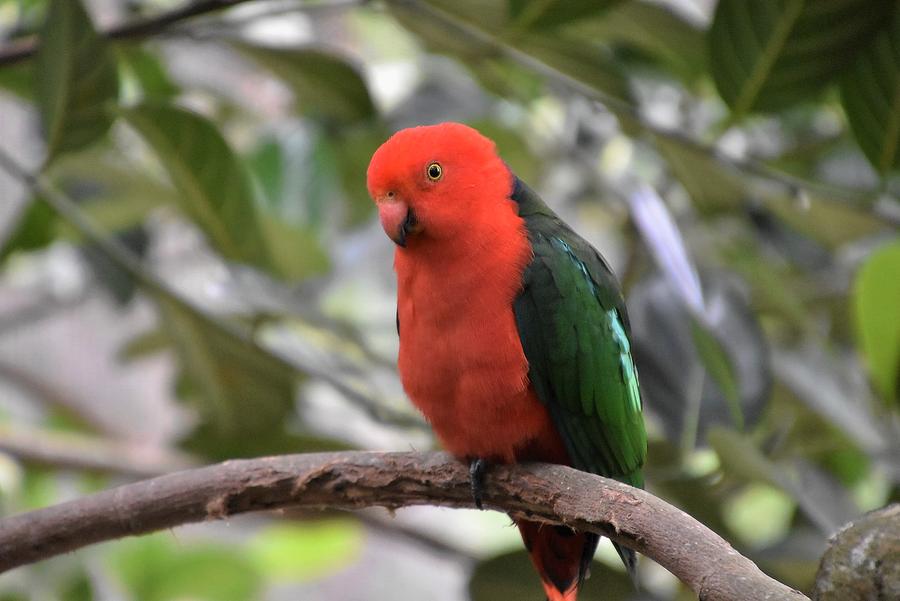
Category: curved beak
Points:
column 397, row 219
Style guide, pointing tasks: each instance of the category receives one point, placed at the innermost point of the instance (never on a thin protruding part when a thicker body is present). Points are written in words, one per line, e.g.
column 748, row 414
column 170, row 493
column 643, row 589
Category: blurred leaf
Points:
column 760, row 514
column 77, row 588
column 876, row 295
column 870, row 92
column 239, row 390
column 653, row 29
column 785, row 51
column 669, row 362
column 113, row 193
column 209, row 441
column 712, row 186
column 160, row 568
column 267, row 164
column 512, row 576
column 505, row 79
column 742, row 458
column 148, row 343
column 513, row 148
column 115, row 280
column 147, row 71
column 589, row 64
column 822, row 382
column 215, row 191
column 18, row 78
column 40, row 488
column 352, row 150
column 715, row 359
column 585, row 62
column 308, row 550
column 35, row 229
column 75, row 78
column 829, row 223
column 822, row 499
column 490, row 14
column 545, row 14
column 296, row 250
column 324, row 84
column 774, row 286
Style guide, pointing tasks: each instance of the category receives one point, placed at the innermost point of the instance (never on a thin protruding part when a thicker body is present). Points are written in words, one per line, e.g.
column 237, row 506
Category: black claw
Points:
column 477, row 468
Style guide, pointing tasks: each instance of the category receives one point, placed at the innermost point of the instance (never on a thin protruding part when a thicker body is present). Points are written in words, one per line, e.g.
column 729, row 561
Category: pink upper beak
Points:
column 397, row 218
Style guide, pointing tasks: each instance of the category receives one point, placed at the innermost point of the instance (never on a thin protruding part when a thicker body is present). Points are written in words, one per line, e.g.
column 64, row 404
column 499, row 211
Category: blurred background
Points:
column 196, row 274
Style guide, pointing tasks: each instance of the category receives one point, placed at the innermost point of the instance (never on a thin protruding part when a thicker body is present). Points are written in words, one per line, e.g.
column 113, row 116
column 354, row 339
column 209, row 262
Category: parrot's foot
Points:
column 477, row 468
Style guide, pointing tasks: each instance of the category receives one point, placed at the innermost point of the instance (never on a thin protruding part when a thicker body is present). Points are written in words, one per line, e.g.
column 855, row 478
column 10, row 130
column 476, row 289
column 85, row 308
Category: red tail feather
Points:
column 560, row 556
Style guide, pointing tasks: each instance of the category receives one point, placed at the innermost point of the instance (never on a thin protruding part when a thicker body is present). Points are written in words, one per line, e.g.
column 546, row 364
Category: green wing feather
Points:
column 575, row 333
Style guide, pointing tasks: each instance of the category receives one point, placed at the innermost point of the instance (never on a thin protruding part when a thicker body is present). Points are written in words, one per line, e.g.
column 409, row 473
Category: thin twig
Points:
column 82, row 452
column 162, row 23
column 27, row 47
column 351, row 480
column 51, row 396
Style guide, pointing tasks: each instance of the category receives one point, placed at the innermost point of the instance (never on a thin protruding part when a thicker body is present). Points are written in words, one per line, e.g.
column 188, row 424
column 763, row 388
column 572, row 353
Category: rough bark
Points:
column 351, row 480
column 863, row 560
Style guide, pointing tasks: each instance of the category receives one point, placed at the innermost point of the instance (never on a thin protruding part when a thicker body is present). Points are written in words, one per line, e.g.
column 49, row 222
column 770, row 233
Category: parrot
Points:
column 514, row 338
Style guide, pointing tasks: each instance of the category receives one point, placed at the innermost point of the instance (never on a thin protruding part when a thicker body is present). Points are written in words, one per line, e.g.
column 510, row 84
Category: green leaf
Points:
column 18, row 78
column 306, row 551
column 654, row 30
column 352, row 150
column 240, row 390
column 870, row 93
column 712, row 186
column 512, row 576
column 36, row 229
column 769, row 54
column 267, row 163
column 115, row 194
column 876, row 296
column 546, row 14
column 436, row 22
column 77, row 588
column 324, row 84
column 160, row 567
column 143, row 345
column 215, row 190
column 296, row 251
column 513, row 148
column 590, row 64
column 75, row 79
column 719, row 365
column 491, row 16
column 830, row 223
column 742, row 458
column 147, row 71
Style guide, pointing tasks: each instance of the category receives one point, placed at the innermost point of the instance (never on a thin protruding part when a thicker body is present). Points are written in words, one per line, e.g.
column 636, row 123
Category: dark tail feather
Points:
column 629, row 558
column 561, row 556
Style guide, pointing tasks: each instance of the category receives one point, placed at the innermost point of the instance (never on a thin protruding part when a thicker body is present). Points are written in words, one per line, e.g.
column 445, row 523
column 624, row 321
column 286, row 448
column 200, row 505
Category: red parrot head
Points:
column 433, row 182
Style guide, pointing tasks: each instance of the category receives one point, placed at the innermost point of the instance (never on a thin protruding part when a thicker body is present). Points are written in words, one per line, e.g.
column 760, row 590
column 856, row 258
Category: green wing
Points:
column 575, row 334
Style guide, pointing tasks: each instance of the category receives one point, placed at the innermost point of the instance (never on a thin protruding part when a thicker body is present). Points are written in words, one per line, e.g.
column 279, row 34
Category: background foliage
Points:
column 197, row 274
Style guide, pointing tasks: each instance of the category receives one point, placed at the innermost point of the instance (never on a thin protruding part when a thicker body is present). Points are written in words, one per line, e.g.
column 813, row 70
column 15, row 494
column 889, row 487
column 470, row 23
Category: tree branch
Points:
column 351, row 480
column 27, row 47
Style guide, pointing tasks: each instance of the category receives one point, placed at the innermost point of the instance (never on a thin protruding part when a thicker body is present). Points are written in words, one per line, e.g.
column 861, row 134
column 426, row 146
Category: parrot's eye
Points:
column 434, row 171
